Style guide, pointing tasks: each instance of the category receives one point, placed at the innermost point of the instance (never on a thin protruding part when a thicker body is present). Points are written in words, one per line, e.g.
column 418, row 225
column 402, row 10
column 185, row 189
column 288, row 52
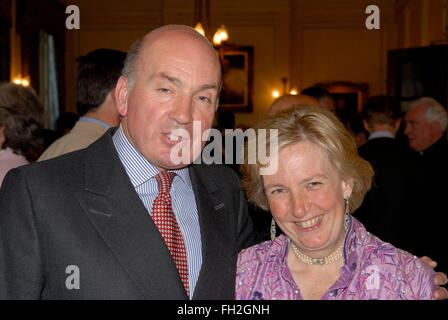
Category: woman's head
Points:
column 22, row 97
column 322, row 128
column 20, row 132
column 318, row 167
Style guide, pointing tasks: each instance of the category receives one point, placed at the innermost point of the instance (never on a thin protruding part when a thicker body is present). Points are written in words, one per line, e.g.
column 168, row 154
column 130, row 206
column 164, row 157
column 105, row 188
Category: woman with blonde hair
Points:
column 325, row 253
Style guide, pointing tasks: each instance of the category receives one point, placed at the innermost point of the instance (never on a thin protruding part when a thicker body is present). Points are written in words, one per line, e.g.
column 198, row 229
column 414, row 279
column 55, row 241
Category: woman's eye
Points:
column 314, row 184
column 276, row 191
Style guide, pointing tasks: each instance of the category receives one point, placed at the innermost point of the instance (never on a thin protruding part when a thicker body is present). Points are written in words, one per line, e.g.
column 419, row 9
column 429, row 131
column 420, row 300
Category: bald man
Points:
column 93, row 224
column 288, row 101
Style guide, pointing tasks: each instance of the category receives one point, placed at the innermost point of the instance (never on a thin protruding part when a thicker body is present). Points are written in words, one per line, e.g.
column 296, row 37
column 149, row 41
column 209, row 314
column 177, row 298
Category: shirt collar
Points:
column 381, row 134
column 96, row 121
column 138, row 168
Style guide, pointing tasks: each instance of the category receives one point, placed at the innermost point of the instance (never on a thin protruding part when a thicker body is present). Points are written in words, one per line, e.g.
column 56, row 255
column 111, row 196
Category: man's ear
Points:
column 366, row 126
column 397, row 125
column 121, row 96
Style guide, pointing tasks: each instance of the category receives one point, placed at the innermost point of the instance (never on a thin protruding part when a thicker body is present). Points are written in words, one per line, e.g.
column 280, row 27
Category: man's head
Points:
column 171, row 78
column 288, row 101
column 98, row 72
column 323, row 96
column 382, row 113
column 426, row 120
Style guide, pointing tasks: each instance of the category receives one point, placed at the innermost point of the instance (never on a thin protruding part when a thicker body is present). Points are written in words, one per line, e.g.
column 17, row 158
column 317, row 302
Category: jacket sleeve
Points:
column 20, row 259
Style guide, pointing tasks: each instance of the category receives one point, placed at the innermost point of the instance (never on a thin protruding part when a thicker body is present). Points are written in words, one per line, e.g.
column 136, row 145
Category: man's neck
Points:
column 102, row 114
column 381, row 134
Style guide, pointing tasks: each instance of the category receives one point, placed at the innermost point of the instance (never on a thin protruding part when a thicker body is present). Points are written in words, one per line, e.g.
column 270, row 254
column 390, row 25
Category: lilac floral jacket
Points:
column 373, row 270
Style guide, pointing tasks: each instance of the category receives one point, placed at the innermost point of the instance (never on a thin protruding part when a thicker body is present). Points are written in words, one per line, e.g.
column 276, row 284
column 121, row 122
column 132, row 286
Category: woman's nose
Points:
column 300, row 206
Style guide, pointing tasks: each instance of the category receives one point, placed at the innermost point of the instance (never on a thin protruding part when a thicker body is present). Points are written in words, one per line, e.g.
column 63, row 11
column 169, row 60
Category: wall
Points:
column 263, row 24
column 306, row 41
column 333, row 44
column 419, row 22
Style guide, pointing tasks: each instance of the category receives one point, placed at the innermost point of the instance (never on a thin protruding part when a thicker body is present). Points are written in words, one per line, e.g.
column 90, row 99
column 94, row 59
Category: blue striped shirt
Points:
column 142, row 175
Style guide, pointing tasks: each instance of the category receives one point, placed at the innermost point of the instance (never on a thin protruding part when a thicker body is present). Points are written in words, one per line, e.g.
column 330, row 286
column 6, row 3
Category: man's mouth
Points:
column 173, row 137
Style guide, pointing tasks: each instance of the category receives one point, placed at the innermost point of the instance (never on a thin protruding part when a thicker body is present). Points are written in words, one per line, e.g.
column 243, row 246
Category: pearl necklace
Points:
column 335, row 256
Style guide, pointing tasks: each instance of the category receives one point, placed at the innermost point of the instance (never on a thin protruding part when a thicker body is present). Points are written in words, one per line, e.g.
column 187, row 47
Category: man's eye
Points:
column 163, row 90
column 205, row 99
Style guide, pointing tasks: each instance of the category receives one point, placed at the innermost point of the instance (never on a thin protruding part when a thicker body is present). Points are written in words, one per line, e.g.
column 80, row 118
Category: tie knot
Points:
column 164, row 180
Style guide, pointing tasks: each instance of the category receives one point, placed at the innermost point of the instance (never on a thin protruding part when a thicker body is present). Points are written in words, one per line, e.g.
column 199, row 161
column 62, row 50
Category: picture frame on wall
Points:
column 349, row 98
column 237, row 78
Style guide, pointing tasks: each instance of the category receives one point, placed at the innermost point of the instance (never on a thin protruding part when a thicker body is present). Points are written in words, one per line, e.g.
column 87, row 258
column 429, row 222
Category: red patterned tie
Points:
column 163, row 217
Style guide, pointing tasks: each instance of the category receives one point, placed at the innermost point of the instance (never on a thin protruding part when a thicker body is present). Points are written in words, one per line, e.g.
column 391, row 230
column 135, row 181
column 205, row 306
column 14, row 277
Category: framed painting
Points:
column 349, row 98
column 237, row 78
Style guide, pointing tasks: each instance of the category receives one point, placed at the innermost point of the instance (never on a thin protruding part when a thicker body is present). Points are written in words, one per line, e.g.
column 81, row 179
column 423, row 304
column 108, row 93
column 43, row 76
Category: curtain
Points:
column 48, row 84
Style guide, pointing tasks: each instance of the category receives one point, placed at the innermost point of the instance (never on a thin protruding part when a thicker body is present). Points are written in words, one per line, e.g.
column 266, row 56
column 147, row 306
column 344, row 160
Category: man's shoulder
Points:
column 386, row 149
column 70, row 162
column 73, row 141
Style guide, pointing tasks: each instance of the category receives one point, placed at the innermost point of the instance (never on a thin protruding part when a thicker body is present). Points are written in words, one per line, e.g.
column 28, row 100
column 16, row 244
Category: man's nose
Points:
column 182, row 112
column 407, row 129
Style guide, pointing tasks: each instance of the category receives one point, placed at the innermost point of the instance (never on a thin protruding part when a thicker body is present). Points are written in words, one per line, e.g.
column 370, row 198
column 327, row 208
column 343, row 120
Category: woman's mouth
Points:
column 310, row 224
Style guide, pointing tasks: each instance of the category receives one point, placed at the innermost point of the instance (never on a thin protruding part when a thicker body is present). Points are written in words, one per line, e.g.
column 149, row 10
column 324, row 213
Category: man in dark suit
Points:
column 389, row 209
column 426, row 124
column 82, row 226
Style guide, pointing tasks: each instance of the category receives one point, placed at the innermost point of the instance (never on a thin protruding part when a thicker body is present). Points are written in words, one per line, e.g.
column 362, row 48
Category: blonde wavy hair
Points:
column 322, row 128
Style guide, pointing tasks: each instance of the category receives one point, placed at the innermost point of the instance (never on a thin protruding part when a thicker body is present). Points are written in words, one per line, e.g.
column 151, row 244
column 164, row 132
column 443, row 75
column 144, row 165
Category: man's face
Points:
column 177, row 81
column 421, row 133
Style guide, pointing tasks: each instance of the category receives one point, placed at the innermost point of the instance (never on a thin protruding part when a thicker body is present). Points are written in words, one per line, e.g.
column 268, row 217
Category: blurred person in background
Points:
column 288, row 101
column 65, row 123
column 390, row 207
column 323, row 96
column 98, row 72
column 426, row 122
column 20, row 140
column 24, row 98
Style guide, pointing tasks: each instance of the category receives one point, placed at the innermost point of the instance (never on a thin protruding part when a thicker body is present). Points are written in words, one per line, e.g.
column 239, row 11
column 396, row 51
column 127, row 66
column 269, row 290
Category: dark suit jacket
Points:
column 389, row 210
column 81, row 209
column 433, row 218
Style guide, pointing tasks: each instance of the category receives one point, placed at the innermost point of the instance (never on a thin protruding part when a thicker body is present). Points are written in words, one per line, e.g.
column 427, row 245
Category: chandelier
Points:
column 202, row 19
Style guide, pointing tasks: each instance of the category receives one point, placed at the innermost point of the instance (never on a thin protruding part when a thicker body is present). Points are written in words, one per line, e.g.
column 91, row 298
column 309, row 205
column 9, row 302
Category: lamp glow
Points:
column 199, row 29
column 217, row 39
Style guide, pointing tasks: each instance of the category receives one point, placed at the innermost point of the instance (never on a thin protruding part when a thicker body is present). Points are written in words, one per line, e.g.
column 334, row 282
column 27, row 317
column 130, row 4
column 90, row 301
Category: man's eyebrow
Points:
column 178, row 82
column 163, row 75
column 208, row 86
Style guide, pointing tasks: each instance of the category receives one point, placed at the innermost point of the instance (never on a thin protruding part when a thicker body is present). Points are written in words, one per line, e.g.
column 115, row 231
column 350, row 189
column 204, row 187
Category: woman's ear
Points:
column 347, row 188
column 121, row 96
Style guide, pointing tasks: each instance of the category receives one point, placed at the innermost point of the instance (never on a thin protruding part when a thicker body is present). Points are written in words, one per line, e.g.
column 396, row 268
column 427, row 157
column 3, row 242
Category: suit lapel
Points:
column 114, row 208
column 215, row 236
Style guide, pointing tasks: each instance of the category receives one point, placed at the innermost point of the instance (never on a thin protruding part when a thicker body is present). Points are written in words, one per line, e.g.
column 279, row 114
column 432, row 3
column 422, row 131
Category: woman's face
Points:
column 306, row 198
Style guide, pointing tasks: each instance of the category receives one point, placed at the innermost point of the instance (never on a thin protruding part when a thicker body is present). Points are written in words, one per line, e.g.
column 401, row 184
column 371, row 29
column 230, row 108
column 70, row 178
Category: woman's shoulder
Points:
column 371, row 248
column 395, row 267
column 264, row 251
